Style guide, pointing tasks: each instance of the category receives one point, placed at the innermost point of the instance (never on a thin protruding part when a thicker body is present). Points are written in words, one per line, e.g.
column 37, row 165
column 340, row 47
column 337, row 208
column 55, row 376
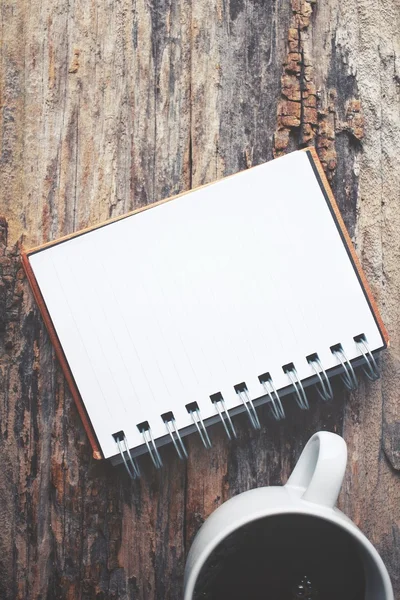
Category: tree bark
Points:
column 109, row 106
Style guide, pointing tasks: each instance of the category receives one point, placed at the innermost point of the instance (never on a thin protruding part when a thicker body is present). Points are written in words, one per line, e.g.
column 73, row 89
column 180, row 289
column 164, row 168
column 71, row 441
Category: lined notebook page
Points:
column 191, row 297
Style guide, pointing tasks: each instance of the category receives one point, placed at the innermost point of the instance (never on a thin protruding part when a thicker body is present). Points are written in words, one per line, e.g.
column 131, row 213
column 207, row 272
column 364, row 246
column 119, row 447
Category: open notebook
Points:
column 198, row 307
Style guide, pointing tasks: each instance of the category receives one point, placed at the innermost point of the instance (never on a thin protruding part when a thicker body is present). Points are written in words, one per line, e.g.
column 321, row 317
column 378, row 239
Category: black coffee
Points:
column 286, row 557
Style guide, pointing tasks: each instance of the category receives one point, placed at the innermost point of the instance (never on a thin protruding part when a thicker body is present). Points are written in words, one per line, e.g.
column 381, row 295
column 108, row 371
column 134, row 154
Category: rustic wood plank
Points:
column 106, row 107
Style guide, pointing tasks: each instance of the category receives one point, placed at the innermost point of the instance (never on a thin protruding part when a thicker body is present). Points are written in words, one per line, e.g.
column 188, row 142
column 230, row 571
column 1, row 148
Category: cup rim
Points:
column 332, row 515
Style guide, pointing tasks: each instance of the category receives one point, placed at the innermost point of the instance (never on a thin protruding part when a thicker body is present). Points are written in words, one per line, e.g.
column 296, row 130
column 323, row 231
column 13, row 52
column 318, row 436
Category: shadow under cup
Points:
column 284, row 557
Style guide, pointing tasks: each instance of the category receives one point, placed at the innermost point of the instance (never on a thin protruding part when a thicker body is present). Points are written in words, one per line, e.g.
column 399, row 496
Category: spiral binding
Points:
column 170, row 424
column 251, row 411
column 274, row 401
column 194, row 412
column 131, row 467
column 145, row 430
column 372, row 370
column 301, row 397
column 224, row 415
column 349, row 377
column 323, row 387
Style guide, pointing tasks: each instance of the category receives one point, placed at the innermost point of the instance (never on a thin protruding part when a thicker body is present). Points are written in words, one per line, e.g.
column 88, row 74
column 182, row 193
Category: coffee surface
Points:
column 287, row 557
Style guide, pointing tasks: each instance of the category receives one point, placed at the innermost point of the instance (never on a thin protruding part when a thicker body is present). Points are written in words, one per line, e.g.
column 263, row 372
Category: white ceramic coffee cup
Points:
column 312, row 490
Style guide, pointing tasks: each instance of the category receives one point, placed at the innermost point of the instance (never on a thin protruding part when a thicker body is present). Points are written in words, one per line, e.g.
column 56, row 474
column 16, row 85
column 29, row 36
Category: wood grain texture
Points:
column 110, row 106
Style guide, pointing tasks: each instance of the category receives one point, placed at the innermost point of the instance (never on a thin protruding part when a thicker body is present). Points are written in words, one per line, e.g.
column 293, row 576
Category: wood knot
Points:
column 75, row 61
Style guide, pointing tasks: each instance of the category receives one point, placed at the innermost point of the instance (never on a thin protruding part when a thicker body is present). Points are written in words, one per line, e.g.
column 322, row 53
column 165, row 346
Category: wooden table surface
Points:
column 107, row 106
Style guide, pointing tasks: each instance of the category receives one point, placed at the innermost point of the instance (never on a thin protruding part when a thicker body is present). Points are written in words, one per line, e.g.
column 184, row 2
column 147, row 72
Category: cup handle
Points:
column 319, row 472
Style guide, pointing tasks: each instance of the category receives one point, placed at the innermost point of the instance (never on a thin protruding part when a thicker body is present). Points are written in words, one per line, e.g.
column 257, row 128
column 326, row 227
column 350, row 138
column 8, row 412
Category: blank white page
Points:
column 191, row 297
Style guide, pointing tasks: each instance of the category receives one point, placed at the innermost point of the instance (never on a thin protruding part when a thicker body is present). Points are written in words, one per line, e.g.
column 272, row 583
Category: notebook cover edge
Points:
column 97, row 453
column 356, row 261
